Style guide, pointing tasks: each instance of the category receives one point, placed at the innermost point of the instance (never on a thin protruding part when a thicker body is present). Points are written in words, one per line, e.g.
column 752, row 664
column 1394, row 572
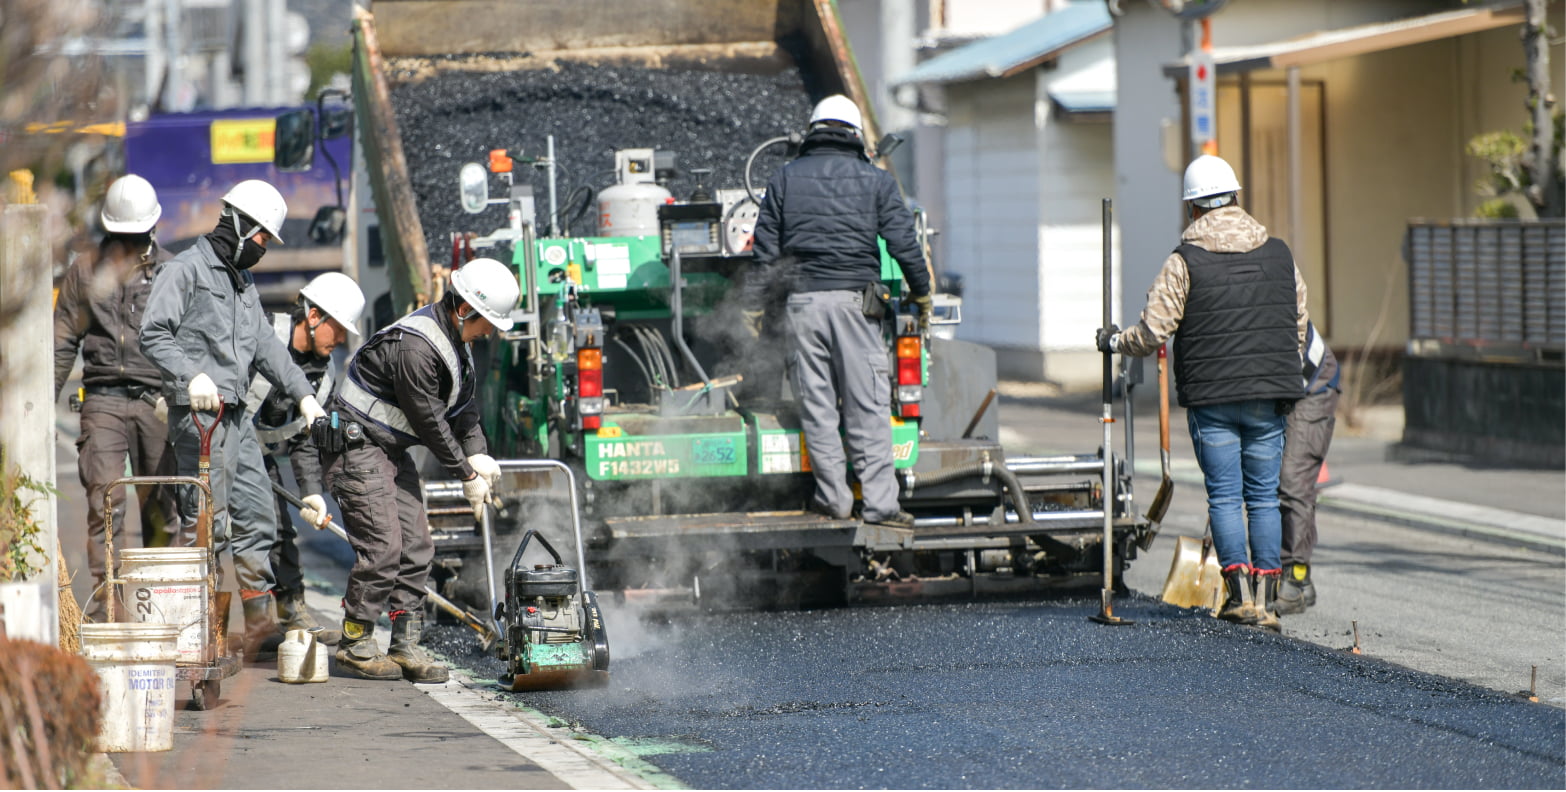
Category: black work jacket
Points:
column 102, row 298
column 825, row 209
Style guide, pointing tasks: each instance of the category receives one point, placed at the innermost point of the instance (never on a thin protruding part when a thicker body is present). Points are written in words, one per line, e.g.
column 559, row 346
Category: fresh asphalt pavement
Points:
column 973, row 695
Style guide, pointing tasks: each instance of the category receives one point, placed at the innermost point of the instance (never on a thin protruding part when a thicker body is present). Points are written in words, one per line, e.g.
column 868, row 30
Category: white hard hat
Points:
column 131, row 207
column 1208, row 176
column 260, row 202
column 338, row 296
column 490, row 287
column 840, row 108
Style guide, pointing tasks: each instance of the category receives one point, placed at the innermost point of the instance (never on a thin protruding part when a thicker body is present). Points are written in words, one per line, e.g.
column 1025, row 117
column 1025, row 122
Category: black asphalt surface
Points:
column 1034, row 695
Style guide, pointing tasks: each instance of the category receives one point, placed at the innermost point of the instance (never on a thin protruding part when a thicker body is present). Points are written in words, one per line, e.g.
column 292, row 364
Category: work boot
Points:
column 1266, row 582
column 1296, row 592
column 1239, row 606
column 262, row 633
column 293, row 615
column 357, row 655
column 417, row 667
column 901, row 519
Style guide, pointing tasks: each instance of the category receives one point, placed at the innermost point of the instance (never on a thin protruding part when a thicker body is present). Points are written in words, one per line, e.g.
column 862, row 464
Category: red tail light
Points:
column 910, row 375
column 589, row 373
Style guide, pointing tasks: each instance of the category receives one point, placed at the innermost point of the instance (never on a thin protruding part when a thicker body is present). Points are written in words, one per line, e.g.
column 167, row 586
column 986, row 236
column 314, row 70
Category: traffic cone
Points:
column 1325, row 479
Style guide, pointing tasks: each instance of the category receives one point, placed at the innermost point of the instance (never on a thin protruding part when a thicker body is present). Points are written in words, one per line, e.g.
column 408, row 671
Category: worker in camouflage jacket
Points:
column 1238, row 303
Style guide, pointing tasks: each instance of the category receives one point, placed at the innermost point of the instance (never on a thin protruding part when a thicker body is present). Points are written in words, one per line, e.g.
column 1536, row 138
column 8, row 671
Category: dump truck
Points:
column 613, row 152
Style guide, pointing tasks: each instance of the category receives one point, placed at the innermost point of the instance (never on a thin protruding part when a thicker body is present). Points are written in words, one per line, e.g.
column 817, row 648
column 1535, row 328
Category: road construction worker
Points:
column 1305, row 444
column 1238, row 302
column 412, row 384
column 205, row 330
column 326, row 313
column 821, row 216
column 102, row 298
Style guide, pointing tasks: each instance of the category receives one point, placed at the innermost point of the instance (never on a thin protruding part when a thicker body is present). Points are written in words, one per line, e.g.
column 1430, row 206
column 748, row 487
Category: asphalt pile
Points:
column 709, row 119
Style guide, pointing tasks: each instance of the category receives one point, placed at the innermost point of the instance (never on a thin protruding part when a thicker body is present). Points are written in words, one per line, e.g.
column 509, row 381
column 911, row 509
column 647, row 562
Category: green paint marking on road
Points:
column 652, row 746
column 631, row 759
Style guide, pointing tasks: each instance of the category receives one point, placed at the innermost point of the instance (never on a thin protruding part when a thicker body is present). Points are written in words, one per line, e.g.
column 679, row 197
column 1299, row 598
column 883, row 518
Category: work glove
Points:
column 160, row 409
column 753, row 323
column 476, row 490
column 314, row 511
column 311, row 410
column 486, row 466
column 204, row 394
column 926, row 310
column 1108, row 339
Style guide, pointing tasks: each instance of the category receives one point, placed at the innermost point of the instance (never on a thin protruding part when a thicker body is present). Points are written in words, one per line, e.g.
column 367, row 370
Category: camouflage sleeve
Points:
column 1165, row 308
column 1304, row 313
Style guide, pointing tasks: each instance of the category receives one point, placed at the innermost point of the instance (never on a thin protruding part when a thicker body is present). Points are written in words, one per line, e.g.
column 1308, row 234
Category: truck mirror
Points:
column 474, row 183
column 888, row 144
column 327, row 227
column 293, row 146
column 335, row 121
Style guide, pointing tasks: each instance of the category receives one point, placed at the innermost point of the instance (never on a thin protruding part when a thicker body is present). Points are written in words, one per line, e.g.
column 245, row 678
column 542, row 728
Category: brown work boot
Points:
column 1296, row 592
column 358, row 656
column 262, row 634
column 417, row 666
column 293, row 615
column 1266, row 582
column 1240, row 605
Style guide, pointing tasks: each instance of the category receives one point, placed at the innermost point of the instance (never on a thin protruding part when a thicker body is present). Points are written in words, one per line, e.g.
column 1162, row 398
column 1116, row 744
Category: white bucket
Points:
column 168, row 585
column 135, row 665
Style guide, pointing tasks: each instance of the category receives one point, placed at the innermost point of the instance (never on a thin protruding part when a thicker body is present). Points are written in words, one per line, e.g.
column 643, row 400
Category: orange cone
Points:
column 1323, row 478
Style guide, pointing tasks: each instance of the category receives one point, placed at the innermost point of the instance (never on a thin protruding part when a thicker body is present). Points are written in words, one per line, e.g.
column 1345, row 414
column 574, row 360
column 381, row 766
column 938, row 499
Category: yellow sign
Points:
column 243, row 140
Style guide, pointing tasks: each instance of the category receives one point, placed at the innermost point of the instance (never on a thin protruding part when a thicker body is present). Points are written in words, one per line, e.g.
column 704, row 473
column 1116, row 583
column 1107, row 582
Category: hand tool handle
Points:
column 1163, row 398
column 298, row 503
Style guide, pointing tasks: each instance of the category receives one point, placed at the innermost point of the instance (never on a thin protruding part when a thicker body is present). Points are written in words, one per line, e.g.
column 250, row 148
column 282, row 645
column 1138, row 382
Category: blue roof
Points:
column 1025, row 47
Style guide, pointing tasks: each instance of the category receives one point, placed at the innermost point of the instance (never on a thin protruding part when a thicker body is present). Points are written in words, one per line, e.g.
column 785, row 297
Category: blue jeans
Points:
column 1239, row 446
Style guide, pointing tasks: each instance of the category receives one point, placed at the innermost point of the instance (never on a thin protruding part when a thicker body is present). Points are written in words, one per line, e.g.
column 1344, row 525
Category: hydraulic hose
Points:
column 1008, row 479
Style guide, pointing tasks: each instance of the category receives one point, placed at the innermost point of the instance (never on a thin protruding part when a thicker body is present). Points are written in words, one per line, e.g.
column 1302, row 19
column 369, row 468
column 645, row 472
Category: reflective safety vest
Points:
column 260, row 388
column 371, row 407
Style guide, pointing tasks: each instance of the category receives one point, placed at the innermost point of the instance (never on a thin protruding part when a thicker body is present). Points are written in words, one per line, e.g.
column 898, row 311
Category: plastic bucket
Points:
column 168, row 585
column 135, row 665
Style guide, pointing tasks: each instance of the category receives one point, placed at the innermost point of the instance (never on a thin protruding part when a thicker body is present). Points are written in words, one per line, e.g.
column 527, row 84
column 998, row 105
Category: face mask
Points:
column 249, row 255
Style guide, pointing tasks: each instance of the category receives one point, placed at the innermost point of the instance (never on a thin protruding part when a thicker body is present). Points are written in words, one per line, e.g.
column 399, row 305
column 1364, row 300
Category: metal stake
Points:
column 1106, row 614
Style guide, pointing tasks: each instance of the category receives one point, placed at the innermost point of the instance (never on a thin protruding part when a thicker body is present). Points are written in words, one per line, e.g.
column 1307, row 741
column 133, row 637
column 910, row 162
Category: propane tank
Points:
column 630, row 208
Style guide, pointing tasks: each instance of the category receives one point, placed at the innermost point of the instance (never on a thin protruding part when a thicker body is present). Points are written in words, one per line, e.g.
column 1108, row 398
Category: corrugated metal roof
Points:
column 1023, row 48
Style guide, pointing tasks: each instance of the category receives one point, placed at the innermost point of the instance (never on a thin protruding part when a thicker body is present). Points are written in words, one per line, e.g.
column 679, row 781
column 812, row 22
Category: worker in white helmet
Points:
column 326, row 314
column 823, row 213
column 412, row 384
column 205, row 331
column 1238, row 302
column 102, row 297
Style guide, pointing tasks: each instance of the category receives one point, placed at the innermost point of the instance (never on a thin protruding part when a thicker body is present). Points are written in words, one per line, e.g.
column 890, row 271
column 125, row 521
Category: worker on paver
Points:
column 1238, row 302
column 205, row 331
column 822, row 213
column 326, row 313
column 412, row 384
column 102, row 298
column 1305, row 444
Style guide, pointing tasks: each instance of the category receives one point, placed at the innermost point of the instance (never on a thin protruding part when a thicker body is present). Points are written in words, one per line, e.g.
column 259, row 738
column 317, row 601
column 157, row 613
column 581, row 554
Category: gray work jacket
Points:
column 196, row 323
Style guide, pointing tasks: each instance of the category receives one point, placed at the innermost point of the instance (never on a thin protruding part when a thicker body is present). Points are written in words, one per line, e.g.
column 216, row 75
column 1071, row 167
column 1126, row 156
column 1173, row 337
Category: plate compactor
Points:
column 553, row 630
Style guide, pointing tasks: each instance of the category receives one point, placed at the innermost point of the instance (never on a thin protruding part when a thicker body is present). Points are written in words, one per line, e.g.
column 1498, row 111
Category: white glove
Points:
column 203, row 394
column 161, row 410
column 476, row 490
column 311, row 410
column 486, row 466
column 314, row 511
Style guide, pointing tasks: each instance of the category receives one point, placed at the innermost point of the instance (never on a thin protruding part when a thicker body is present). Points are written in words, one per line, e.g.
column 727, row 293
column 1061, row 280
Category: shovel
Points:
column 1195, row 579
column 486, row 633
column 1160, row 505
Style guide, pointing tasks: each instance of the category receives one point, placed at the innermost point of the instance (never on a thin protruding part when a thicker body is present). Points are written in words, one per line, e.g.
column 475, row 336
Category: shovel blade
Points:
column 1195, row 579
column 1160, row 505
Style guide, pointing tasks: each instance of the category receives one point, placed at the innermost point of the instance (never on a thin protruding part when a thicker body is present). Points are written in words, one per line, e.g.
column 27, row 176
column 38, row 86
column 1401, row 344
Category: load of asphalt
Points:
column 709, row 119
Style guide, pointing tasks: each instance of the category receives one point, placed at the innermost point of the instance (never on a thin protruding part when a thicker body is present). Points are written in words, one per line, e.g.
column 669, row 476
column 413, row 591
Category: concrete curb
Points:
column 1416, row 511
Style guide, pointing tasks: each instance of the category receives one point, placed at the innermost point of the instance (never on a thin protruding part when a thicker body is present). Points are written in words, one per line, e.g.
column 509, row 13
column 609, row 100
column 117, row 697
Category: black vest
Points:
column 1238, row 339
